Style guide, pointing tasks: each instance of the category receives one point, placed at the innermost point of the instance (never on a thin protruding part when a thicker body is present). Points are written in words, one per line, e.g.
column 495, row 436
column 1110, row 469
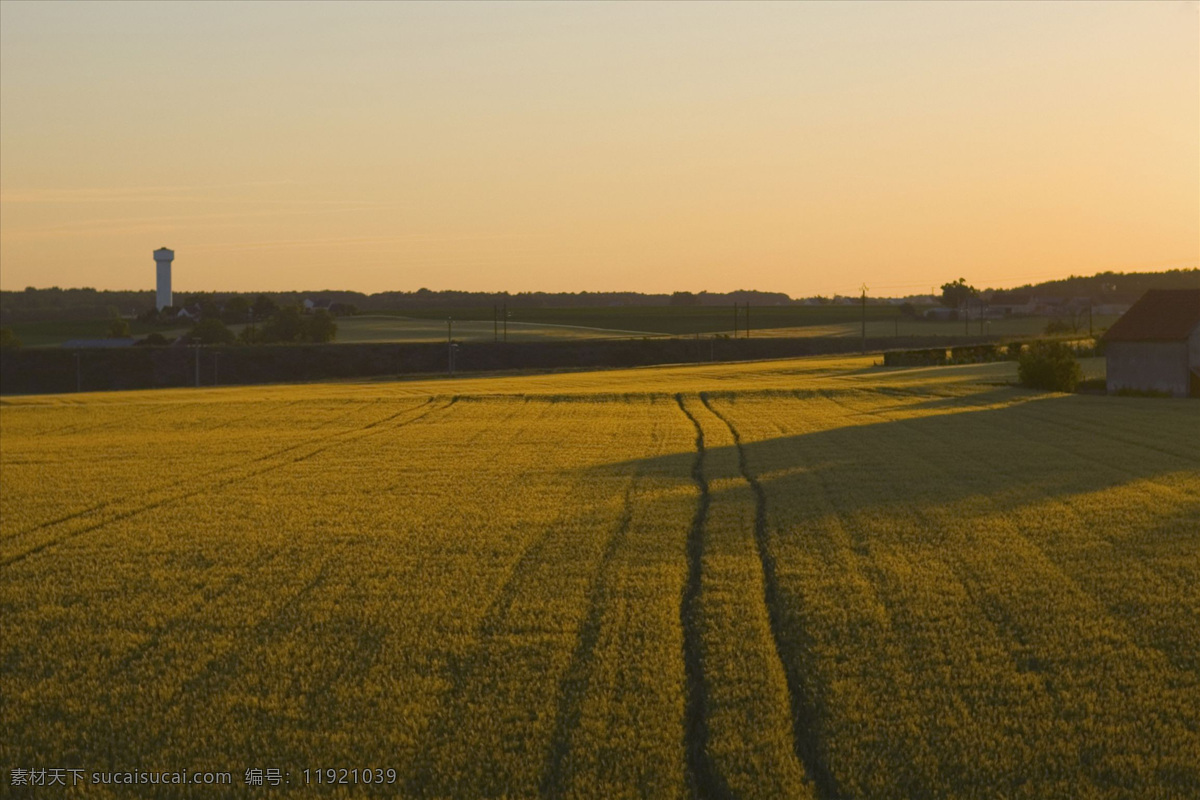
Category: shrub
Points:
column 118, row 328
column 155, row 339
column 210, row 330
column 320, row 327
column 1050, row 366
column 1055, row 326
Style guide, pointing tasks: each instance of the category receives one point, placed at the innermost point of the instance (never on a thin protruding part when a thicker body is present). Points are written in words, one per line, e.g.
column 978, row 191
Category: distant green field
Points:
column 41, row 334
column 541, row 324
column 902, row 326
column 669, row 319
column 387, row 328
column 882, row 321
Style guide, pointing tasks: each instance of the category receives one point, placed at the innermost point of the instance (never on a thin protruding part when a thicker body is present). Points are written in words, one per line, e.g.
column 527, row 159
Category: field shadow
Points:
column 915, row 484
column 968, row 449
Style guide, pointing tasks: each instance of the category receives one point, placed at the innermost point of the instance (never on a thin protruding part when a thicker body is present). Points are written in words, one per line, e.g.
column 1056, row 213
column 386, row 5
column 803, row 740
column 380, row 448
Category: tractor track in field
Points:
column 1134, row 633
column 80, row 427
column 263, row 631
column 572, row 689
column 804, row 740
column 180, row 481
column 705, row 781
column 337, row 438
column 1071, row 423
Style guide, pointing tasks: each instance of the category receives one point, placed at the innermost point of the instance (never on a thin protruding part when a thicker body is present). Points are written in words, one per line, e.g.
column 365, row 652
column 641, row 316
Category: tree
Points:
column 1050, row 366
column 956, row 293
column 683, row 299
column 263, row 307
column 285, row 325
column 118, row 328
column 1056, row 326
column 8, row 338
column 208, row 306
column 237, row 309
column 155, row 339
column 210, row 330
column 320, row 327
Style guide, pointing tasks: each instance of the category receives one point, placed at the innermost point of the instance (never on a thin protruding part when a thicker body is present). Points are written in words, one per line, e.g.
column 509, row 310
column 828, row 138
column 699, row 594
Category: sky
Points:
column 807, row 148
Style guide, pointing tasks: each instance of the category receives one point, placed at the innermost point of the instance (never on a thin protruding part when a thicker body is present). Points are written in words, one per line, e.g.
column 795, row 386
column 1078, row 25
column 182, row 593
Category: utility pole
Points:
column 197, row 366
column 864, row 319
column 747, row 319
column 506, row 323
column 450, row 346
column 1090, row 334
column 495, row 325
column 215, row 373
column 735, row 320
column 78, row 375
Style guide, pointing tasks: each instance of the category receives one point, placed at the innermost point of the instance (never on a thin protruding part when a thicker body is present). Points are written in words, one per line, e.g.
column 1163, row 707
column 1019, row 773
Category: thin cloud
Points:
column 114, row 225
column 409, row 238
column 127, row 194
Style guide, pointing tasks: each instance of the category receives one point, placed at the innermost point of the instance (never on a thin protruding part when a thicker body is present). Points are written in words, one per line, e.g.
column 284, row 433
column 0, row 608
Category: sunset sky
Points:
column 797, row 147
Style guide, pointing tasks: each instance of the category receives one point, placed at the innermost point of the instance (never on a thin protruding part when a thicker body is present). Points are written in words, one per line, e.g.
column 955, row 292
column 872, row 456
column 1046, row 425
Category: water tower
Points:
column 162, row 259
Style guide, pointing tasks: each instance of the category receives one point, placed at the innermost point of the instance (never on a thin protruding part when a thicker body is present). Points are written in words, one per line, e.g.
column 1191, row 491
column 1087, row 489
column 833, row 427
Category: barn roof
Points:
column 1161, row 315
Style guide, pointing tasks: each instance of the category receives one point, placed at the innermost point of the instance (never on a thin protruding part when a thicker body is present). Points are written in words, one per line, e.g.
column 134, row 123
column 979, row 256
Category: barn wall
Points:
column 1194, row 348
column 1194, row 360
column 1148, row 367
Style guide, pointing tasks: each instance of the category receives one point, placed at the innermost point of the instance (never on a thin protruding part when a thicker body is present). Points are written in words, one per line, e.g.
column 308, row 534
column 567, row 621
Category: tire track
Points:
column 79, row 427
column 204, row 475
column 804, row 739
column 340, row 438
column 1018, row 631
column 56, row 521
column 703, row 778
column 1029, row 410
column 573, row 687
column 1137, row 634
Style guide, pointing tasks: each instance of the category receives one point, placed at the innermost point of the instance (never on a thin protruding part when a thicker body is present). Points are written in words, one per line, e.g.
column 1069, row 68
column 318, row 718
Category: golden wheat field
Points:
column 805, row 579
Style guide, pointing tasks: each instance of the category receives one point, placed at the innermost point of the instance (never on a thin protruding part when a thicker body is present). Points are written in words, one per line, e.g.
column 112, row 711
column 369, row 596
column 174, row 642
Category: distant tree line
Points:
column 1106, row 287
column 56, row 303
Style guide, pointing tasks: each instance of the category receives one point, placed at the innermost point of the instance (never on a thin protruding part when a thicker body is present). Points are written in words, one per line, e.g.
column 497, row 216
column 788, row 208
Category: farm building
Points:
column 1155, row 346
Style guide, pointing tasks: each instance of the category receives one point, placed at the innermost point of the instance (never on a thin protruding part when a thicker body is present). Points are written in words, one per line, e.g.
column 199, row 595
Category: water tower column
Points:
column 162, row 260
